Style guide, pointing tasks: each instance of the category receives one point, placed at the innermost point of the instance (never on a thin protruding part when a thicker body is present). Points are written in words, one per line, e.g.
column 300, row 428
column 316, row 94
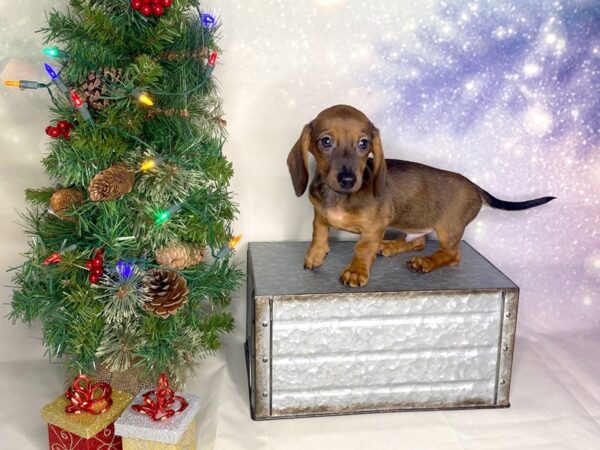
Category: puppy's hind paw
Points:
column 421, row 264
column 388, row 248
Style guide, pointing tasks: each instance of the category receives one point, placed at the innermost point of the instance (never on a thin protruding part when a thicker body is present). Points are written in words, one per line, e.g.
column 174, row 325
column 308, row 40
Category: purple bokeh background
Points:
column 506, row 93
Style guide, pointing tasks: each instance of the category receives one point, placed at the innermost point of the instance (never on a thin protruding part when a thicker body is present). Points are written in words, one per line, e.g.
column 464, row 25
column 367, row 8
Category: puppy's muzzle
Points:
column 346, row 179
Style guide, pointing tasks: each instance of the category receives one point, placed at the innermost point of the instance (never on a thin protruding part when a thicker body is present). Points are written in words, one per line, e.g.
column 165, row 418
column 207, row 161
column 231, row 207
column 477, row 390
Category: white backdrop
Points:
column 284, row 61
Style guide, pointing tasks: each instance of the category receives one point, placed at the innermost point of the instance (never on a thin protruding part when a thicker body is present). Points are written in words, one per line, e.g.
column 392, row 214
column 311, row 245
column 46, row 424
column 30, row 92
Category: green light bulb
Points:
column 162, row 217
column 52, row 52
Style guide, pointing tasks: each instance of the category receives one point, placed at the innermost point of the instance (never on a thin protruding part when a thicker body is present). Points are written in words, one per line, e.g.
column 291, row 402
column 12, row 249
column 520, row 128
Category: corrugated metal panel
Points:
column 404, row 349
column 379, row 398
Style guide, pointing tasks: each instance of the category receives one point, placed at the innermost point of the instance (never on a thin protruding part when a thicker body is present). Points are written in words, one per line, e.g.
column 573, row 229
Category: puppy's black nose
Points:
column 346, row 179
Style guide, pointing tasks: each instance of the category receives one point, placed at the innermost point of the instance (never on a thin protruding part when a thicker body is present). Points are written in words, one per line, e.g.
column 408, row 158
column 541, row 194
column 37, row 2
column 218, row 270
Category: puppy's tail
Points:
column 512, row 206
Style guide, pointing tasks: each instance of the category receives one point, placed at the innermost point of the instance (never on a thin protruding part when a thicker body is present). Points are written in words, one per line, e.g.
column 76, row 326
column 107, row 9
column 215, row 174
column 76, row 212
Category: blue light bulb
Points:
column 50, row 71
column 125, row 269
column 208, row 20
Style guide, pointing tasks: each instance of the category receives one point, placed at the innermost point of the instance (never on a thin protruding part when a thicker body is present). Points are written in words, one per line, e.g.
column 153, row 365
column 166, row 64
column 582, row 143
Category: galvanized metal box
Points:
column 406, row 341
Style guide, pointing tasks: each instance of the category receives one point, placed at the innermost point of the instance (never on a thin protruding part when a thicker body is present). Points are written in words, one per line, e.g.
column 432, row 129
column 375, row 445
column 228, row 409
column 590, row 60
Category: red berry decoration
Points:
column 97, row 262
column 53, row 132
column 151, row 7
column 62, row 128
column 96, row 266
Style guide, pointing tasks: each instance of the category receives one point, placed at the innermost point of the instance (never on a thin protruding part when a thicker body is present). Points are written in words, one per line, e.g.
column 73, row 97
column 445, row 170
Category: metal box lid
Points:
column 277, row 269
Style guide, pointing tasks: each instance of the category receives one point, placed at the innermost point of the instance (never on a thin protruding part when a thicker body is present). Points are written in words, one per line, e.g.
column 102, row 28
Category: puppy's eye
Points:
column 363, row 144
column 326, row 142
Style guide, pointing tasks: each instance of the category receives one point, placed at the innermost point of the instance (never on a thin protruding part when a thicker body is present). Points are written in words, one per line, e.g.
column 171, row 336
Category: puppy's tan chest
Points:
column 344, row 220
column 336, row 217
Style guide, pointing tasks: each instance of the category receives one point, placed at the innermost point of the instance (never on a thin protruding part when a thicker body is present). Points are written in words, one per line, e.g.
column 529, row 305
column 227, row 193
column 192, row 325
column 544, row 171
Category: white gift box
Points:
column 141, row 432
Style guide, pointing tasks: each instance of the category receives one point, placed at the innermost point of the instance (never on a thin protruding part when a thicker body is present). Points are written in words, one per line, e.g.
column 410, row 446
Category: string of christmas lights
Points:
column 127, row 266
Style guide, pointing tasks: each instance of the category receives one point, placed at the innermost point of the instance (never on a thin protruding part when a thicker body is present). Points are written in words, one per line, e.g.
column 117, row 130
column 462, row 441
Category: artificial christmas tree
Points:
column 135, row 179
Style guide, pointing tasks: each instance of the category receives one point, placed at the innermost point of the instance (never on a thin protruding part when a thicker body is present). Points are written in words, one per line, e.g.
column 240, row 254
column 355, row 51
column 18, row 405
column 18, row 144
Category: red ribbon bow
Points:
column 88, row 397
column 158, row 402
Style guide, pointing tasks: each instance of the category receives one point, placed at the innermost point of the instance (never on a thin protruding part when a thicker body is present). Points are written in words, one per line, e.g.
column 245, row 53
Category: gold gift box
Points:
column 85, row 425
column 187, row 442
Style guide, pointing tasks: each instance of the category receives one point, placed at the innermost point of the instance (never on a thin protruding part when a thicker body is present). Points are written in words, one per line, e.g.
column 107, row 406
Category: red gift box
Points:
column 83, row 418
column 106, row 439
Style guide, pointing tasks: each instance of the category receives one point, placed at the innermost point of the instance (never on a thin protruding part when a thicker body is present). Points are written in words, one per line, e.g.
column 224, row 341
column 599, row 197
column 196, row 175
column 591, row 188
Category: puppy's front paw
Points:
column 355, row 275
column 421, row 264
column 315, row 257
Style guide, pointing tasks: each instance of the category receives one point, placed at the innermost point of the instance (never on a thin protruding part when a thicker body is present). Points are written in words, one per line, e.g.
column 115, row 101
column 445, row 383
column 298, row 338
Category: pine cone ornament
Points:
column 168, row 292
column 222, row 122
column 179, row 256
column 94, row 88
column 111, row 183
column 63, row 199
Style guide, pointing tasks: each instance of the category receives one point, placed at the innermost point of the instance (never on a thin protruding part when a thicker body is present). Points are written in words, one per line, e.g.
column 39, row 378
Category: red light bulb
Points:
column 52, row 259
column 212, row 60
column 76, row 100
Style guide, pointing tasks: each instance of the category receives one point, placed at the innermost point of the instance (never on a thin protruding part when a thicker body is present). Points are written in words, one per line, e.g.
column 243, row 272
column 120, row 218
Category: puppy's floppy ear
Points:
column 298, row 160
column 379, row 165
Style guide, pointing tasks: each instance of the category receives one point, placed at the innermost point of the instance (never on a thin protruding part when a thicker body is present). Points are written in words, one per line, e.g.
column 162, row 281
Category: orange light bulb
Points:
column 235, row 241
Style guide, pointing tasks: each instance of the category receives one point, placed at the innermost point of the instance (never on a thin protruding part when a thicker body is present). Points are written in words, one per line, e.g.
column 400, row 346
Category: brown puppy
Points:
column 363, row 195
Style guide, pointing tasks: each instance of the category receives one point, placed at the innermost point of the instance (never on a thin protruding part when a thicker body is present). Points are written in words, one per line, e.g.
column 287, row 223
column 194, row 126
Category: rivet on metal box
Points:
column 406, row 341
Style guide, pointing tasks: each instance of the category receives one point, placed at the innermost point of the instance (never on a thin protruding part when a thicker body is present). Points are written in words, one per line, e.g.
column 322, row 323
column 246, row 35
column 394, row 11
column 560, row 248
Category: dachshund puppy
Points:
column 363, row 195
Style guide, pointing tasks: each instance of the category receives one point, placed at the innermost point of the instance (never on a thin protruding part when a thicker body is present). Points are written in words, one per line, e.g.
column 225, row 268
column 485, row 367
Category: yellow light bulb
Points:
column 148, row 164
column 145, row 99
column 235, row 241
column 11, row 83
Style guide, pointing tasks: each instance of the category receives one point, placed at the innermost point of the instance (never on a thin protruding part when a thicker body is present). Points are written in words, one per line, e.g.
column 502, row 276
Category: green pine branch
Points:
column 106, row 323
